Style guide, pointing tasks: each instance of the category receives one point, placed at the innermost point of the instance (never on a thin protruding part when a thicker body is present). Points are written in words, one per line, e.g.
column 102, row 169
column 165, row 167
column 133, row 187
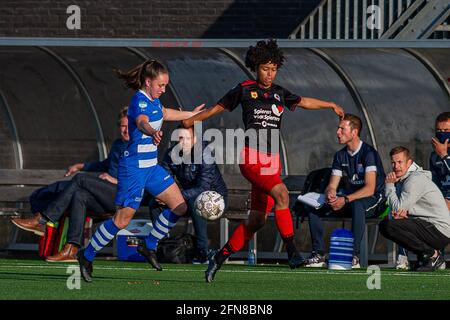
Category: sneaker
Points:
column 296, row 261
column 419, row 263
column 355, row 263
column 86, row 268
column 431, row 264
column 213, row 267
column 200, row 258
column 443, row 265
column 402, row 262
column 149, row 255
column 315, row 260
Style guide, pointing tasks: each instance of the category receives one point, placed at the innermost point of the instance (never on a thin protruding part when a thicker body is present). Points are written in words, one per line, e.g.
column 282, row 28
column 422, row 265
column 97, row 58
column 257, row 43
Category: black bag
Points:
column 317, row 181
column 179, row 249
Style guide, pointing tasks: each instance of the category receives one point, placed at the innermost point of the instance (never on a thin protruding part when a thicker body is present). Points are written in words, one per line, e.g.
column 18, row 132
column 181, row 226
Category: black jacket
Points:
column 193, row 179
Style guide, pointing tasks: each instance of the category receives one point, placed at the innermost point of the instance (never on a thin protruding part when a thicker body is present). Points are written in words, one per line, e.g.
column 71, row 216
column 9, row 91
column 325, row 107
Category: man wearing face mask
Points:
column 440, row 158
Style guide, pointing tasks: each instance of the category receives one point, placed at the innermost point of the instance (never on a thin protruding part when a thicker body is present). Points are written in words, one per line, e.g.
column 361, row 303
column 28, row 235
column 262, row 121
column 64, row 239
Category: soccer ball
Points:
column 209, row 205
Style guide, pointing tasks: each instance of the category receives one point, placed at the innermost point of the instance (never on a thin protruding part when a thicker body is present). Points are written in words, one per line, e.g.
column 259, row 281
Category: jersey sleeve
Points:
column 291, row 100
column 336, row 167
column 97, row 166
column 138, row 106
column 370, row 162
column 232, row 99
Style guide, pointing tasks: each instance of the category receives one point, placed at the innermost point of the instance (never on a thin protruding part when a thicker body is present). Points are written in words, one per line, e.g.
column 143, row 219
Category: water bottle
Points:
column 251, row 258
column 341, row 250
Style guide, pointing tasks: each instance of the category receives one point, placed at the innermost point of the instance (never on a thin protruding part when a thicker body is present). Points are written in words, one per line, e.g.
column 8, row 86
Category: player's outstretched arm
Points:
column 143, row 125
column 177, row 115
column 203, row 115
column 315, row 104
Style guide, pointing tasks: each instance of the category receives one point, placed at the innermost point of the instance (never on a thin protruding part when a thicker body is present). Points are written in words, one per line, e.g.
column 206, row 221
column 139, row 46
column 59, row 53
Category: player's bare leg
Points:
column 173, row 199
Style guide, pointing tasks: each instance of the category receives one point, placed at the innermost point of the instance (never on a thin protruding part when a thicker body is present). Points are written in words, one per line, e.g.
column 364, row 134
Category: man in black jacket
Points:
column 193, row 179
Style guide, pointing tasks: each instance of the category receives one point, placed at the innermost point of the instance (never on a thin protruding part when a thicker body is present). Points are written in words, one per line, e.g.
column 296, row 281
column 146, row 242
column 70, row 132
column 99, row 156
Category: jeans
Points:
column 83, row 193
column 360, row 210
column 42, row 197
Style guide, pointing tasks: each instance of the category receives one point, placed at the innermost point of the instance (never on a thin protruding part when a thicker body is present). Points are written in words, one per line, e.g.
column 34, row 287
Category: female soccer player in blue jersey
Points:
column 138, row 166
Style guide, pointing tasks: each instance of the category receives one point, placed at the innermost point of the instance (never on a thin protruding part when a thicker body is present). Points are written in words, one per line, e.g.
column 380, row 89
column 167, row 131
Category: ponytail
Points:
column 135, row 78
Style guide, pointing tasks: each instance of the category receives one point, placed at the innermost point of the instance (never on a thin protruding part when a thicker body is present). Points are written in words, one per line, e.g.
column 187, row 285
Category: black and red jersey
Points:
column 262, row 110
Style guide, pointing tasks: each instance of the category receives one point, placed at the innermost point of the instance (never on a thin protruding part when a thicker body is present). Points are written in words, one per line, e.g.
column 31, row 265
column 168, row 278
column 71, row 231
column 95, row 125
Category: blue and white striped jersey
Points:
column 141, row 152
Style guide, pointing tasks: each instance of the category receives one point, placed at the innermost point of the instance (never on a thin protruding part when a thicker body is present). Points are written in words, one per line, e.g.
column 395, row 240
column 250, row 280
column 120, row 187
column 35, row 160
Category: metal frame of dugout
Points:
column 327, row 50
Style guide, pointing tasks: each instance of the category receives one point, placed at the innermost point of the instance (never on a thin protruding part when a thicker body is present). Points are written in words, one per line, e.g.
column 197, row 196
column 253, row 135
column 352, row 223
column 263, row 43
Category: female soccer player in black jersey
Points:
column 263, row 104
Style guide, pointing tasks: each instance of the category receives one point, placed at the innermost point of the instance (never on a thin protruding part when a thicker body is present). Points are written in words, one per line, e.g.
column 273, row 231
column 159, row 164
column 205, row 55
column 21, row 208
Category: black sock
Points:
column 223, row 254
column 290, row 246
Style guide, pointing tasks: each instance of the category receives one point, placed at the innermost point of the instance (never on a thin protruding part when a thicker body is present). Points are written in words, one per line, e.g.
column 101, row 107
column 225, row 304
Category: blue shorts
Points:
column 133, row 181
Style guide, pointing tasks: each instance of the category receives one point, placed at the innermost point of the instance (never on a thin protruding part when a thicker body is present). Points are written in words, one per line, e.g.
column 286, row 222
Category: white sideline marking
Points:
column 361, row 272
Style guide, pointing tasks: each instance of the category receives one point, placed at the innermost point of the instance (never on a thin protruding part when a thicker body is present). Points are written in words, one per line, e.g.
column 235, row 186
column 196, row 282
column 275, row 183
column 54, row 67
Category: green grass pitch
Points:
column 36, row 279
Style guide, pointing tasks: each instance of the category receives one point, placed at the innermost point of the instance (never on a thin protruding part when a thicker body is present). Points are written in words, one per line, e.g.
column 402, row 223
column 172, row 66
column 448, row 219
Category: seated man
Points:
column 421, row 220
column 193, row 179
column 361, row 165
column 84, row 192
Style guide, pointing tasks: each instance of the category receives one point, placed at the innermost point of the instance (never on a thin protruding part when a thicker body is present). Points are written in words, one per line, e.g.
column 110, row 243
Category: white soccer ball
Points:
column 210, row 205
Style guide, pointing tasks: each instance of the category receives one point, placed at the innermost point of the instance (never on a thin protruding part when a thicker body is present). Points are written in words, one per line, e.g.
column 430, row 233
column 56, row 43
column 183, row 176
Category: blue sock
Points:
column 104, row 234
column 166, row 220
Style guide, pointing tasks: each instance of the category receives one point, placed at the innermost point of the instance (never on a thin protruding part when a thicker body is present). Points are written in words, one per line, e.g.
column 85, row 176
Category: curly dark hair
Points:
column 264, row 52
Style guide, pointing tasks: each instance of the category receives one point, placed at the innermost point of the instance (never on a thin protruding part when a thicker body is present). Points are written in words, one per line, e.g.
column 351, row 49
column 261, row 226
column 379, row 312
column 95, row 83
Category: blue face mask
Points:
column 442, row 136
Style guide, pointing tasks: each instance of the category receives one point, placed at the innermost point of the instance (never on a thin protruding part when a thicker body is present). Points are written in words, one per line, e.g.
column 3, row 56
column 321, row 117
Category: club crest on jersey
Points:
column 142, row 104
column 360, row 168
column 254, row 94
column 447, row 181
column 277, row 110
column 276, row 96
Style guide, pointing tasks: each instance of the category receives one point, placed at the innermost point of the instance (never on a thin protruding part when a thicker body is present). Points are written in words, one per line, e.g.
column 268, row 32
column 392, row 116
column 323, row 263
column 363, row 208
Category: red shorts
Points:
column 263, row 171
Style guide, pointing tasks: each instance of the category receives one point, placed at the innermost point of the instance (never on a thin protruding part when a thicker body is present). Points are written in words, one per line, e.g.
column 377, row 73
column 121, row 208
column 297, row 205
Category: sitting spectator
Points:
column 440, row 170
column 421, row 220
column 193, row 179
column 361, row 165
column 83, row 193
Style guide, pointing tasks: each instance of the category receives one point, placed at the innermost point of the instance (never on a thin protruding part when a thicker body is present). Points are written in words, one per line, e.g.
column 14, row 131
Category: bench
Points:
column 15, row 188
column 239, row 200
column 17, row 185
